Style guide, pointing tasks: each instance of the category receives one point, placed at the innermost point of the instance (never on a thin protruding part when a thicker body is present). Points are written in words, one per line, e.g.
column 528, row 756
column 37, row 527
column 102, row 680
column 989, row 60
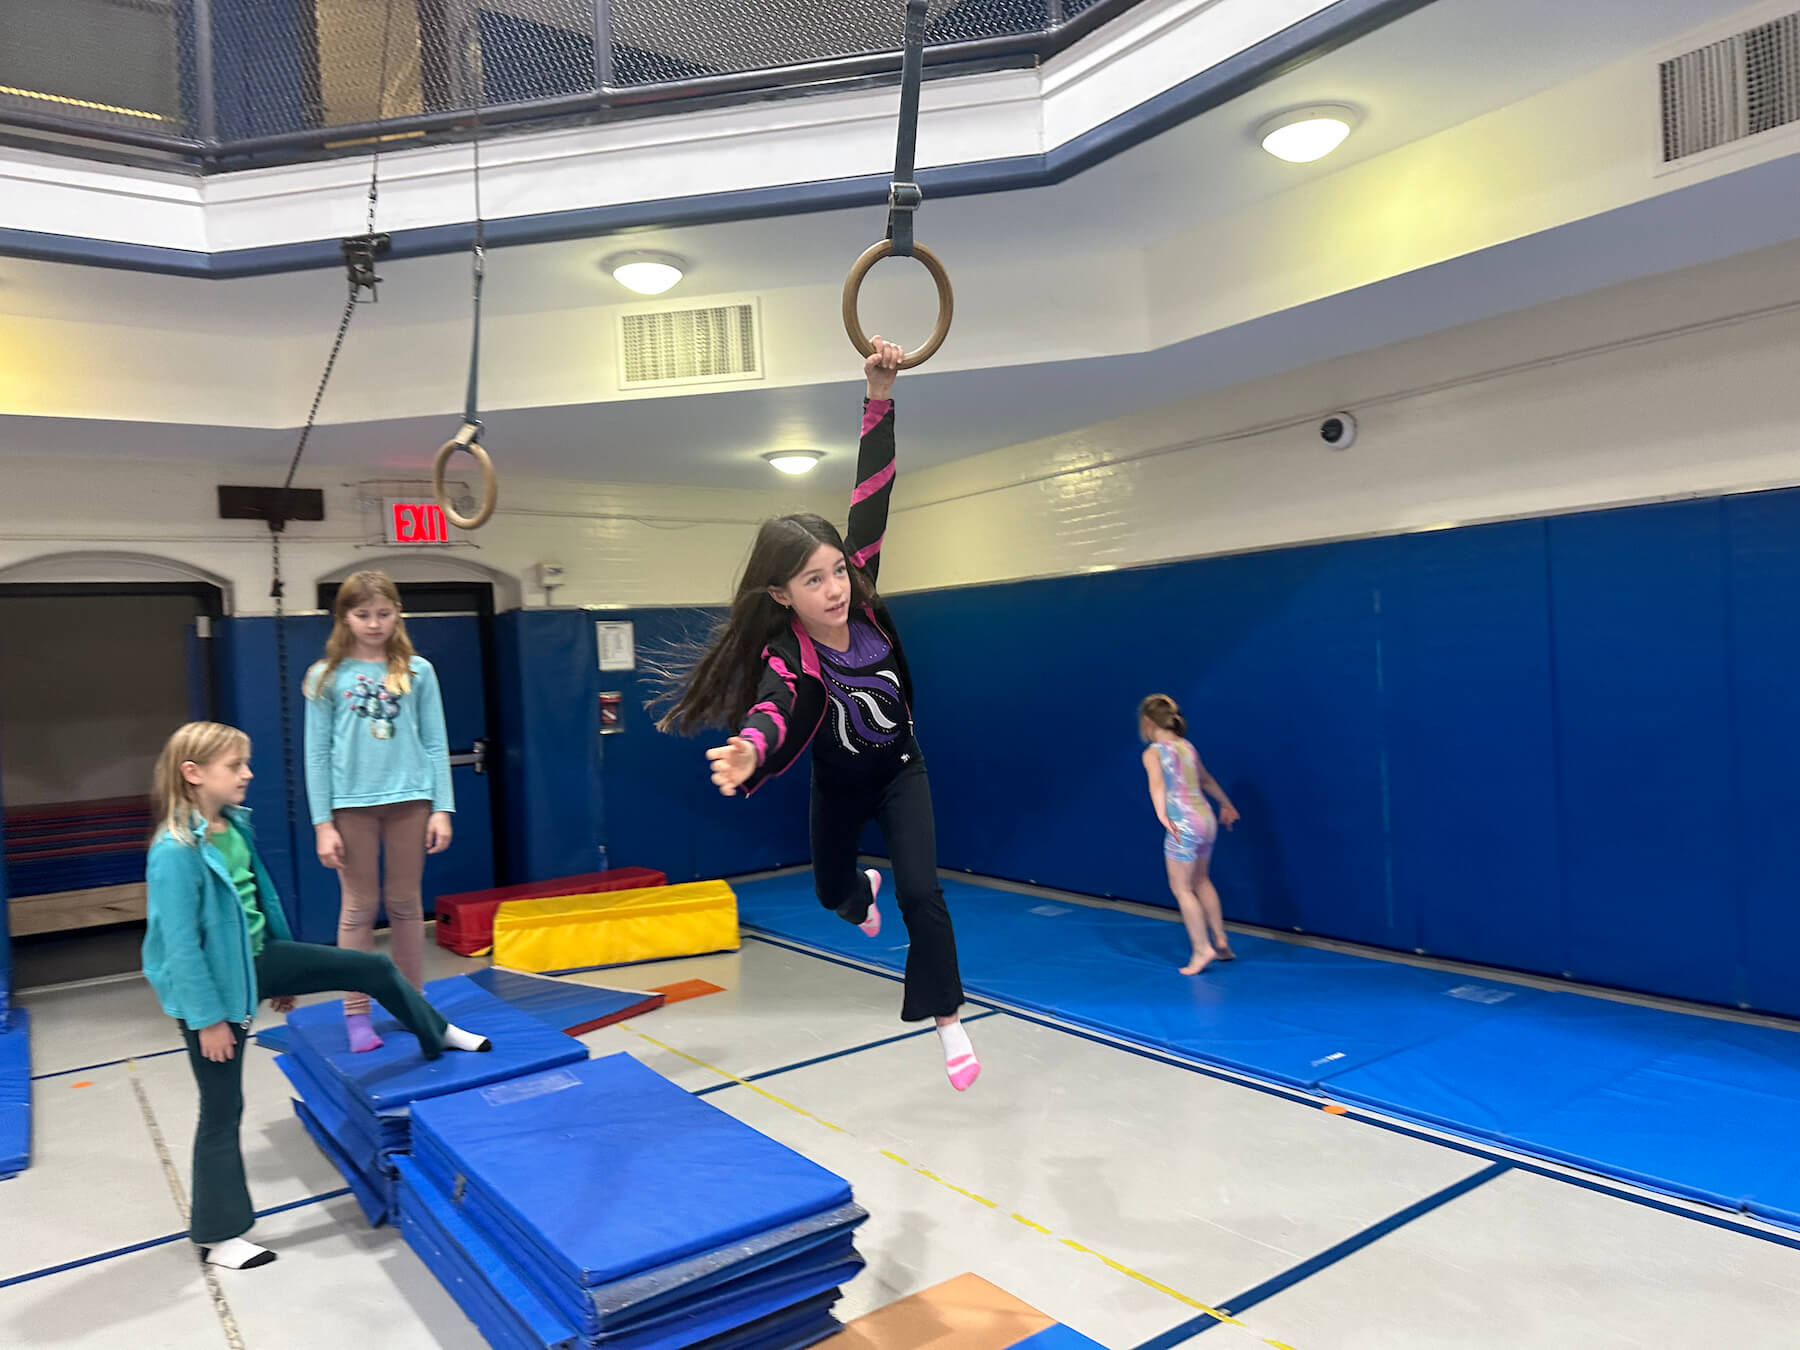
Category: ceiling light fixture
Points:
column 794, row 461
column 1306, row 134
column 645, row 273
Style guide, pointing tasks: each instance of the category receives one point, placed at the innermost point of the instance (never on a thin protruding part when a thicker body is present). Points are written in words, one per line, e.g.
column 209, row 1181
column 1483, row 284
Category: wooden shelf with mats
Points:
column 63, row 910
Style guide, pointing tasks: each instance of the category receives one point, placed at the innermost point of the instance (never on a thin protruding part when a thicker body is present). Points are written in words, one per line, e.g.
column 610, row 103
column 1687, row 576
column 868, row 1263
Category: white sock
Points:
column 956, row 1041
column 236, row 1254
column 455, row 1038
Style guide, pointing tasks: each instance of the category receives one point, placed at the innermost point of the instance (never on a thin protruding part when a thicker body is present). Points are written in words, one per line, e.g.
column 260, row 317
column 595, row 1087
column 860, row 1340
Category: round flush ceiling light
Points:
column 646, row 273
column 1306, row 134
column 794, row 461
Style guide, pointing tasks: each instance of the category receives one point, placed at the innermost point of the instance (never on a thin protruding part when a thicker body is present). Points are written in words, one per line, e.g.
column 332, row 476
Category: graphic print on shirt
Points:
column 867, row 710
column 374, row 700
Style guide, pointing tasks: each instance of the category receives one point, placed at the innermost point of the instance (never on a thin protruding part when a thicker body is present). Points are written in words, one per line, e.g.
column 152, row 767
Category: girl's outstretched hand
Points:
column 731, row 764
column 1228, row 815
column 882, row 367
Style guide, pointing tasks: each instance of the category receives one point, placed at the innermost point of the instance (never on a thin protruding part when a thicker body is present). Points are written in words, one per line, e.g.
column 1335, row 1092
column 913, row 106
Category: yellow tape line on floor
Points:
column 979, row 1199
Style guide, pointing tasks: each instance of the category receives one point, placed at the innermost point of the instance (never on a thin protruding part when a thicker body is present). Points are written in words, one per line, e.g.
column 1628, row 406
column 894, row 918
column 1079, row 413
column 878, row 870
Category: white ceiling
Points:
column 1448, row 63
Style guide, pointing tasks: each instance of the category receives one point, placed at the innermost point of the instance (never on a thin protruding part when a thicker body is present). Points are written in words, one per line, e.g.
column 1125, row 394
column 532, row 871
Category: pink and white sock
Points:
column 959, row 1056
column 871, row 925
column 361, row 1031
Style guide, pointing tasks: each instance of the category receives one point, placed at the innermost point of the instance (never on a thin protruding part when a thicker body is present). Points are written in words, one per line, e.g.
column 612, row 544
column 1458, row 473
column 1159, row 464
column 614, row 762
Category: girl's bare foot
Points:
column 1200, row 962
column 1224, row 953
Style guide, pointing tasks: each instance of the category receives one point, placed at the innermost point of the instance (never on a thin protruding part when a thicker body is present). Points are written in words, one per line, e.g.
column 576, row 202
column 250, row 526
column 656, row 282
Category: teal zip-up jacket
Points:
column 197, row 945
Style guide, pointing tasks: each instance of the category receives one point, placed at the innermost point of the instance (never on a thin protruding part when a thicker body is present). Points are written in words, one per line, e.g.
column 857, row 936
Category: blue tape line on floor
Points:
column 894, row 977
column 1329, row 1257
column 162, row 1241
column 107, row 1064
column 1392, row 1127
column 836, row 1054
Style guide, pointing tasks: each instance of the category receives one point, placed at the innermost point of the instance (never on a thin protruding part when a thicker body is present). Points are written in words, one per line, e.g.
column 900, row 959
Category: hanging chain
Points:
column 359, row 260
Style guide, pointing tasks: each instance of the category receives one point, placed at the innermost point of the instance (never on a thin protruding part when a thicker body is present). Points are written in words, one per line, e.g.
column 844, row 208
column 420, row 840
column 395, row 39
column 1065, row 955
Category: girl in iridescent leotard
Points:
column 1179, row 787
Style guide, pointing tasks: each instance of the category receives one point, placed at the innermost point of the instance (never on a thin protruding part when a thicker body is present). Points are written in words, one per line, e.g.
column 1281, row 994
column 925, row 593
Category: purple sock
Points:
column 362, row 1033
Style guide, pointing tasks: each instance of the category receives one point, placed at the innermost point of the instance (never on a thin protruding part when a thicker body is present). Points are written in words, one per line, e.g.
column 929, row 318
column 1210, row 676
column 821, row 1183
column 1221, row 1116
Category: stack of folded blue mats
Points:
column 359, row 1107
column 598, row 1204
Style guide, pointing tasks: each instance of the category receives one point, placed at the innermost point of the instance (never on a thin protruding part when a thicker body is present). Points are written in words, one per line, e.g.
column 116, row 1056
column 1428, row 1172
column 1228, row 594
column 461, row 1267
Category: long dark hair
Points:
column 718, row 686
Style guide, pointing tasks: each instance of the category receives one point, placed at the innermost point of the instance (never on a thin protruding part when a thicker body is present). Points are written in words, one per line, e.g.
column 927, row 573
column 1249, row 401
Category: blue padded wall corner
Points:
column 6, row 973
column 548, row 668
column 662, row 810
column 249, row 698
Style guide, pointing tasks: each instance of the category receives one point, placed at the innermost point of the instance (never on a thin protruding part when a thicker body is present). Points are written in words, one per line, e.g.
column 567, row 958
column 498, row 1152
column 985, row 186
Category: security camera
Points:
column 1338, row 431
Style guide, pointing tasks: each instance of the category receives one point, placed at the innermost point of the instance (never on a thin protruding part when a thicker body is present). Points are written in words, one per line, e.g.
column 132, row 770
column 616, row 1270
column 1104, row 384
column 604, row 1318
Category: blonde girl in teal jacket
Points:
column 217, row 943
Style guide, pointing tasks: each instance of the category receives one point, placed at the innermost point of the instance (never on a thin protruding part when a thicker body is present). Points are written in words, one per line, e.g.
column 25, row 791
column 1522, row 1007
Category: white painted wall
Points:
column 66, row 519
column 1677, row 388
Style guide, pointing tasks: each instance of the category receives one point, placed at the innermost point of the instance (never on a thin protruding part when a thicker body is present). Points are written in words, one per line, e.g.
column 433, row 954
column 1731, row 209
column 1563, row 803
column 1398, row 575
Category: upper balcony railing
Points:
column 223, row 84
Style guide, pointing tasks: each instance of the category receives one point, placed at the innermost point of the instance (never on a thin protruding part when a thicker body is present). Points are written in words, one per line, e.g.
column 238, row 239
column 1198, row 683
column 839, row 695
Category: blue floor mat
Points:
column 565, row 1005
column 397, row 1074
column 359, row 1158
column 277, row 1038
column 506, row 1310
column 698, row 1180
column 601, row 1199
column 1058, row 1337
column 15, row 1094
column 1689, row 1105
column 1285, row 1012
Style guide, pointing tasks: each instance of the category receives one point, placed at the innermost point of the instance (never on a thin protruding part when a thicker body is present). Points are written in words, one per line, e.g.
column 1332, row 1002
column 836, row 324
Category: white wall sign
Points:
column 618, row 646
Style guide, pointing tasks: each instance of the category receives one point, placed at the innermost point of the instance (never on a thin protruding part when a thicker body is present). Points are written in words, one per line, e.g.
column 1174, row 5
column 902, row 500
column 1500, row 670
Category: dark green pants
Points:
column 221, row 1199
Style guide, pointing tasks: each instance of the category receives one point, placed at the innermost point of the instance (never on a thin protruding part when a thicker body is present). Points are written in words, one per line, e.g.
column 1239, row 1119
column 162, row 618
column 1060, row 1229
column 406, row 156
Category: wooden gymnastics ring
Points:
column 853, row 291
column 468, row 438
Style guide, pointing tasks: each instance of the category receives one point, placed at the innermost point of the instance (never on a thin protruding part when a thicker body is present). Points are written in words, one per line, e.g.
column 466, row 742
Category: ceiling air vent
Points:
column 689, row 346
column 1737, row 87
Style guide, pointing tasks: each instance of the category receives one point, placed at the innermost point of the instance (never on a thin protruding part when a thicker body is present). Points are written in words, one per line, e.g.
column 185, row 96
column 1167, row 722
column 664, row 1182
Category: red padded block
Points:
column 465, row 922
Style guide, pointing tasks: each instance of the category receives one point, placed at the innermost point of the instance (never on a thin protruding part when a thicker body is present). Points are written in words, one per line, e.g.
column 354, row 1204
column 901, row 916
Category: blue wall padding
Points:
column 1470, row 744
column 1560, row 745
column 549, row 734
column 661, row 808
column 1762, row 533
column 6, row 972
column 1688, row 1104
column 249, row 698
column 15, row 1094
column 1644, row 738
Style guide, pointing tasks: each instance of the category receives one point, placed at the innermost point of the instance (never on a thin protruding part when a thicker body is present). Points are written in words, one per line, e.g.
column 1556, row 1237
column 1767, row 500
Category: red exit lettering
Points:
column 420, row 523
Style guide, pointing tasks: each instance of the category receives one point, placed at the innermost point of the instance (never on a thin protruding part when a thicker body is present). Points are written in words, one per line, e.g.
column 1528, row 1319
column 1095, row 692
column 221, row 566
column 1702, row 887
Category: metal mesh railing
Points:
column 227, row 80
column 121, row 64
column 655, row 41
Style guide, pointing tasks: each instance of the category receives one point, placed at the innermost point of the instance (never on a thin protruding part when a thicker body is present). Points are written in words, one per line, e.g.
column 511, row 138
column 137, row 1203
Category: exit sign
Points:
column 407, row 522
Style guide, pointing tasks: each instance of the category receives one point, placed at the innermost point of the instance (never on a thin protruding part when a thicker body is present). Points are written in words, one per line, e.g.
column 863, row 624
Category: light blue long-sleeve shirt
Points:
column 368, row 746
